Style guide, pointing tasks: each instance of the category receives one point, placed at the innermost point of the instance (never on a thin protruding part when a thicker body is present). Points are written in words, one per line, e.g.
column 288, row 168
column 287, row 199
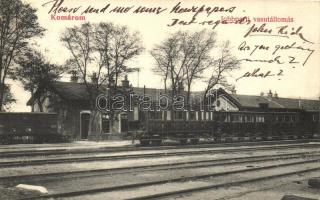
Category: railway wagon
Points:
column 185, row 126
column 28, row 128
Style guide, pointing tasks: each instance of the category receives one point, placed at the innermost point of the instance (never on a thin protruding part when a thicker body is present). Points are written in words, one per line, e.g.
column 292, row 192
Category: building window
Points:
column 314, row 118
column 207, row 115
column 156, row 115
column 192, row 115
column 279, row 118
column 218, row 103
column 135, row 113
column 105, row 123
column 249, row 118
column 168, row 115
column 287, row 118
column 178, row 115
column 227, row 118
column 259, row 119
column 236, row 118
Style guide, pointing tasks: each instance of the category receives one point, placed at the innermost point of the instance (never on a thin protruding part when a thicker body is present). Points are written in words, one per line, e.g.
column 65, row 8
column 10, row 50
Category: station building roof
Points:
column 77, row 91
column 273, row 102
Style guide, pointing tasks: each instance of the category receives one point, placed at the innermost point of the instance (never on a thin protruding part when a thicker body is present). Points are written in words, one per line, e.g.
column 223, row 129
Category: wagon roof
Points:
column 276, row 102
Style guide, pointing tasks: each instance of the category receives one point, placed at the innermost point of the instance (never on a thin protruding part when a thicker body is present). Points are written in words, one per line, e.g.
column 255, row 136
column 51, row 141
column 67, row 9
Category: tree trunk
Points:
column 1, row 96
column 40, row 107
column 204, row 97
column 40, row 103
column 95, row 124
column 165, row 85
column 188, row 94
column 32, row 103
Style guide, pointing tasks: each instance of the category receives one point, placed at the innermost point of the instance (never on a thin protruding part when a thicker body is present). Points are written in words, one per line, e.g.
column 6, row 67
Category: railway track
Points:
column 28, row 153
column 216, row 186
column 311, row 165
column 146, row 155
column 155, row 167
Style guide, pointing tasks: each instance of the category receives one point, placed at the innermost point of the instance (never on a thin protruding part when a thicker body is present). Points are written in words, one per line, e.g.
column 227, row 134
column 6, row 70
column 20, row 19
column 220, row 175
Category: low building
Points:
column 70, row 100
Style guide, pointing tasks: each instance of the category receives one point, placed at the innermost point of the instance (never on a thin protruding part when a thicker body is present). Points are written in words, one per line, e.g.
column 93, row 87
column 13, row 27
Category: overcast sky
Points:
column 297, row 81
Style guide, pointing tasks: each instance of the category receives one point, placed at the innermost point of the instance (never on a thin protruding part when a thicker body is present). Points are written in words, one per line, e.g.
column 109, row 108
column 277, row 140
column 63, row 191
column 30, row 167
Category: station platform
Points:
column 83, row 144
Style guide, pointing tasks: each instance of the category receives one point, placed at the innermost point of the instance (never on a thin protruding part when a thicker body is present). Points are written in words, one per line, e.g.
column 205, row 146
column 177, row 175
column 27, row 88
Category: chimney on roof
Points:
column 94, row 78
column 125, row 82
column 111, row 82
column 74, row 76
column 275, row 95
column 270, row 94
column 180, row 86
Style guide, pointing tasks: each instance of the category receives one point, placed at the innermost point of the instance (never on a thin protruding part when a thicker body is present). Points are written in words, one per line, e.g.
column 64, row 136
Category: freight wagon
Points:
column 18, row 127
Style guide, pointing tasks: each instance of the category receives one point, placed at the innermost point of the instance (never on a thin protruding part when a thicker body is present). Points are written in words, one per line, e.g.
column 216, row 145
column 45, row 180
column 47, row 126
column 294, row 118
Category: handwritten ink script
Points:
column 58, row 7
column 269, row 46
column 285, row 54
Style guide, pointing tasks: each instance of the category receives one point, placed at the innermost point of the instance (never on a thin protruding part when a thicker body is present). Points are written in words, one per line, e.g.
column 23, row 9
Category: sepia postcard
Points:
column 166, row 99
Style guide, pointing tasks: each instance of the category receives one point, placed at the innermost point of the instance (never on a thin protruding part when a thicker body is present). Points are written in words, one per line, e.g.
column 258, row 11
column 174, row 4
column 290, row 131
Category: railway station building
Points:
column 70, row 101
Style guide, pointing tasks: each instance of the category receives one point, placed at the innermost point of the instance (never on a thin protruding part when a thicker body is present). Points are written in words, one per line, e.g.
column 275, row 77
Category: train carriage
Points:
column 185, row 126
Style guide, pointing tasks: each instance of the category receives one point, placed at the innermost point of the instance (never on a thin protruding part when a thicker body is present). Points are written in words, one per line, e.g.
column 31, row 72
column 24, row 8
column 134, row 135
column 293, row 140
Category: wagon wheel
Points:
column 183, row 141
column 194, row 141
column 144, row 142
column 156, row 142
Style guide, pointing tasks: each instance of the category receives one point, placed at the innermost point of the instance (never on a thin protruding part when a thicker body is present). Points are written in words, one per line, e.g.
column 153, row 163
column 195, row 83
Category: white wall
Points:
column 225, row 104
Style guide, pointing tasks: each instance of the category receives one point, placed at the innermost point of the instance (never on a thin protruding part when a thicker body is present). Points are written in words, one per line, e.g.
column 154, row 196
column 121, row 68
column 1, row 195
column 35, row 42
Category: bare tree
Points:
column 79, row 42
column 220, row 68
column 183, row 57
column 197, row 48
column 115, row 46
column 36, row 74
column 169, row 61
column 166, row 56
column 18, row 23
column 100, row 52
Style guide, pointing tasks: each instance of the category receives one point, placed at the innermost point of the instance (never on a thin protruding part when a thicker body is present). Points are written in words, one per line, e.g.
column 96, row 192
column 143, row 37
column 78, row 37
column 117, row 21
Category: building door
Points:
column 85, row 118
column 124, row 123
column 105, row 123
